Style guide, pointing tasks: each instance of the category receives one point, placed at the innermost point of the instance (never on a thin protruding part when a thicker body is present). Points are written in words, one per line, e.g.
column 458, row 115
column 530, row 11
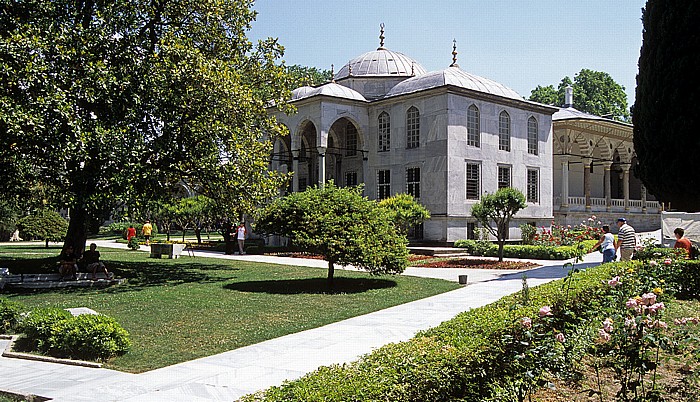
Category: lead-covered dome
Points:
column 381, row 63
column 330, row 89
column 456, row 77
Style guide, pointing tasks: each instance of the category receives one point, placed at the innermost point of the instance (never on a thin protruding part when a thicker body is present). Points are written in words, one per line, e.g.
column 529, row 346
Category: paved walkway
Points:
column 230, row 375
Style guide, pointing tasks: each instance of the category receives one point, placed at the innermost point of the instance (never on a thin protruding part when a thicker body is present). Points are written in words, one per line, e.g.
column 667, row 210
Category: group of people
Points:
column 146, row 231
column 68, row 268
column 627, row 241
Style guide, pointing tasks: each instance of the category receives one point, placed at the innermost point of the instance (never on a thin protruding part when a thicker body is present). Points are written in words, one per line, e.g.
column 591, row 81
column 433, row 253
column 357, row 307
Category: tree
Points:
column 44, row 225
column 404, row 211
column 339, row 224
column 595, row 92
column 665, row 116
column 499, row 208
column 310, row 76
column 112, row 101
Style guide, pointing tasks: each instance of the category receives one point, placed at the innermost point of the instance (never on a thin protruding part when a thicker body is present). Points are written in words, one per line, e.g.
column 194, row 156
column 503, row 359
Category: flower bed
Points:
column 462, row 262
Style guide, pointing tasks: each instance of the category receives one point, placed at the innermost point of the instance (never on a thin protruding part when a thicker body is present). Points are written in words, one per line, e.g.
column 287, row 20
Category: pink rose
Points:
column 660, row 324
column 649, row 298
column 560, row 337
column 614, row 281
column 653, row 263
column 631, row 303
column 526, row 322
column 608, row 325
column 667, row 261
column 630, row 323
column 545, row 311
column 656, row 307
column 604, row 336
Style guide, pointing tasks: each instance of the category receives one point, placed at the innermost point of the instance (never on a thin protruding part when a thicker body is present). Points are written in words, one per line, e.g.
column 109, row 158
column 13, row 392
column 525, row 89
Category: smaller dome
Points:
column 456, row 77
column 301, row 92
column 381, row 63
column 329, row 89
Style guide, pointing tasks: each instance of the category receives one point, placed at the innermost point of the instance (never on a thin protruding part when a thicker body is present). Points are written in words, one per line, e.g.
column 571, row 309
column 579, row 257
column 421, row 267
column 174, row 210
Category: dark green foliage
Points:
column 339, row 224
column 310, row 76
column 404, row 211
column 134, row 243
column 37, row 325
column 487, row 249
column 87, row 336
column 687, row 280
column 10, row 314
column 43, row 225
column 595, row 92
column 494, row 212
column 665, row 113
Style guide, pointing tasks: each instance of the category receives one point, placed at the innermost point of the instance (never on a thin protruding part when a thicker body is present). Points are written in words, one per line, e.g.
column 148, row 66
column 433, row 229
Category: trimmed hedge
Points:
column 458, row 360
column 37, row 325
column 487, row 249
column 10, row 314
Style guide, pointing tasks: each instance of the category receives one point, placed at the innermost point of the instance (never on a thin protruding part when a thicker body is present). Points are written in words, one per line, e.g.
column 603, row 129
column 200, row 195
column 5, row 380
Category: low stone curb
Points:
column 27, row 356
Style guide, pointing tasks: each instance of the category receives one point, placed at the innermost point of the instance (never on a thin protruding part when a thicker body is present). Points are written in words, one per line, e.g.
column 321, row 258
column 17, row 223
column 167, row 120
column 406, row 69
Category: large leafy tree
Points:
column 107, row 101
column 302, row 75
column 404, row 211
column 339, row 224
column 595, row 92
column 494, row 212
column 667, row 107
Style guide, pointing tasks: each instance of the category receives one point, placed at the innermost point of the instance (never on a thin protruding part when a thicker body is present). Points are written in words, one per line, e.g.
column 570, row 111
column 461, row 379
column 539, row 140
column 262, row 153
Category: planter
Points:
column 171, row 250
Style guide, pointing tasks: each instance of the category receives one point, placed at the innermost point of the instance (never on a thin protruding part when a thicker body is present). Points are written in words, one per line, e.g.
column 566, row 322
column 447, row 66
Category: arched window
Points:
column 473, row 128
column 383, row 139
column 504, row 131
column 412, row 128
column 350, row 139
column 532, row 147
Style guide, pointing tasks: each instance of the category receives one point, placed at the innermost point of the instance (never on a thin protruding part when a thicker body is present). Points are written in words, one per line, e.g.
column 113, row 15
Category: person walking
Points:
column 146, row 231
column 607, row 245
column 626, row 240
column 241, row 234
column 682, row 242
column 130, row 232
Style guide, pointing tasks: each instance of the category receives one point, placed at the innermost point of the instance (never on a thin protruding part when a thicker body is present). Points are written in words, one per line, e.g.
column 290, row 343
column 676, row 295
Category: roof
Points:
column 569, row 113
column 381, row 63
column 456, row 77
column 330, row 89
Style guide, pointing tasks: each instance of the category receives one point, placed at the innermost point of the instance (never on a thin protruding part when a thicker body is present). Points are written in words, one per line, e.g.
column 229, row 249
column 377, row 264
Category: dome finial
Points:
column 381, row 37
column 332, row 73
column 349, row 69
column 454, row 53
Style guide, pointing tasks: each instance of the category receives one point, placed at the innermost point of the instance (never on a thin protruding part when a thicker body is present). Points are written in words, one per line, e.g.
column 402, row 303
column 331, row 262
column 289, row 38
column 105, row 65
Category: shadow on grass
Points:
column 312, row 286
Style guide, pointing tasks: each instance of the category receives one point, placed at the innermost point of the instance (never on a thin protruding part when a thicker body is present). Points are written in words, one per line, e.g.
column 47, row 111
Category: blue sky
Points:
column 519, row 43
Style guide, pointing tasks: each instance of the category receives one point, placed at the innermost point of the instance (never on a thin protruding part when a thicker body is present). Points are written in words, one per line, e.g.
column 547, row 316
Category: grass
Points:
column 183, row 309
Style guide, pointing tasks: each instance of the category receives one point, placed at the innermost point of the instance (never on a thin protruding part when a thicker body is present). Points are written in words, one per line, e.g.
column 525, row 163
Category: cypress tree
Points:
column 666, row 113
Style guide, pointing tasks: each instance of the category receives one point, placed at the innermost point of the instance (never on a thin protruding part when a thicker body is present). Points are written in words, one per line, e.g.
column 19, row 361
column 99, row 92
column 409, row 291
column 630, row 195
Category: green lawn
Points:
column 179, row 310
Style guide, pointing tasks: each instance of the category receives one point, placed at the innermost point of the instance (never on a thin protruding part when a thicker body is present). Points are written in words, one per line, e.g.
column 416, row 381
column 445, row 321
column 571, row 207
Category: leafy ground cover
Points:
column 183, row 309
column 425, row 261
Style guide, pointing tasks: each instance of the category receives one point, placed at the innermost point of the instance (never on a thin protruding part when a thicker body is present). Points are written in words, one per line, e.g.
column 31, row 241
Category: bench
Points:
column 172, row 250
column 47, row 281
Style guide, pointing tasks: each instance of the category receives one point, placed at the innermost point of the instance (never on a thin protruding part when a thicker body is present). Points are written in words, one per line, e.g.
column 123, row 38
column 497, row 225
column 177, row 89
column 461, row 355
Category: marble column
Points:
column 365, row 170
column 295, row 170
column 644, row 199
column 565, row 183
column 587, row 182
column 321, row 165
column 608, row 189
column 626, row 186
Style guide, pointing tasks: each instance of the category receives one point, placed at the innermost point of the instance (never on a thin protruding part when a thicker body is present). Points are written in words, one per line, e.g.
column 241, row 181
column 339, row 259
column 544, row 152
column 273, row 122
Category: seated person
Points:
column 682, row 242
column 68, row 261
column 92, row 259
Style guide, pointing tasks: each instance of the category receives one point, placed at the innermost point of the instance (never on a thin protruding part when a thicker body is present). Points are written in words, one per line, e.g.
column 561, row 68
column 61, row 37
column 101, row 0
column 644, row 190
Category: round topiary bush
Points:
column 44, row 225
column 10, row 314
column 92, row 337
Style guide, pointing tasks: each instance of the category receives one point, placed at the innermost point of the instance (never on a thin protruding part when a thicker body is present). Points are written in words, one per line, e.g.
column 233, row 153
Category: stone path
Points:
column 230, row 375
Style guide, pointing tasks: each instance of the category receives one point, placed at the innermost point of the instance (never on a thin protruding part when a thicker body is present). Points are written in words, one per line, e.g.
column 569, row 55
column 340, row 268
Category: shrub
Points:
column 540, row 252
column 687, row 279
column 37, row 325
column 10, row 313
column 134, row 243
column 89, row 337
column 43, row 225
column 528, row 233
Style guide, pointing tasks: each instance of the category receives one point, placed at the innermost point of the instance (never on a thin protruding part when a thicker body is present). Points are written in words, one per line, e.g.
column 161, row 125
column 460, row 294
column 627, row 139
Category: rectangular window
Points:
column 302, row 183
column 473, row 181
column 533, row 185
column 350, row 140
column 504, row 132
column 473, row 129
column 532, row 139
column 412, row 128
column 383, row 184
column 413, row 182
column 350, row 179
column 471, row 234
column 503, row 176
column 384, row 138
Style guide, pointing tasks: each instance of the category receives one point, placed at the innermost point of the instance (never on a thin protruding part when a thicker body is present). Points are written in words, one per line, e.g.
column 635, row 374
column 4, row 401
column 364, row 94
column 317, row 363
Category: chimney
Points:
column 569, row 97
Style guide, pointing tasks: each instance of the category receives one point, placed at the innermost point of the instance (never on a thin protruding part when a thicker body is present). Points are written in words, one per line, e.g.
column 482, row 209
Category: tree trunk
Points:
column 47, row 243
column 500, row 248
column 77, row 229
column 198, row 233
column 331, row 270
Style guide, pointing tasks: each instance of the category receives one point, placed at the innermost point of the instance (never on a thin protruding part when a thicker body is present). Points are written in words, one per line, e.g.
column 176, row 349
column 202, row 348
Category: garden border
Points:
column 28, row 356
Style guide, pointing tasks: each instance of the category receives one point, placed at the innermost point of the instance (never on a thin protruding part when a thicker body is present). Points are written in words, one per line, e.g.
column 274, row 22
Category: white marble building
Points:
column 447, row 137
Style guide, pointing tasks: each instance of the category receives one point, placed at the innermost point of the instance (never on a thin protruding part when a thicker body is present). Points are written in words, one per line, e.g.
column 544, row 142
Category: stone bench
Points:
column 172, row 250
column 46, row 281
